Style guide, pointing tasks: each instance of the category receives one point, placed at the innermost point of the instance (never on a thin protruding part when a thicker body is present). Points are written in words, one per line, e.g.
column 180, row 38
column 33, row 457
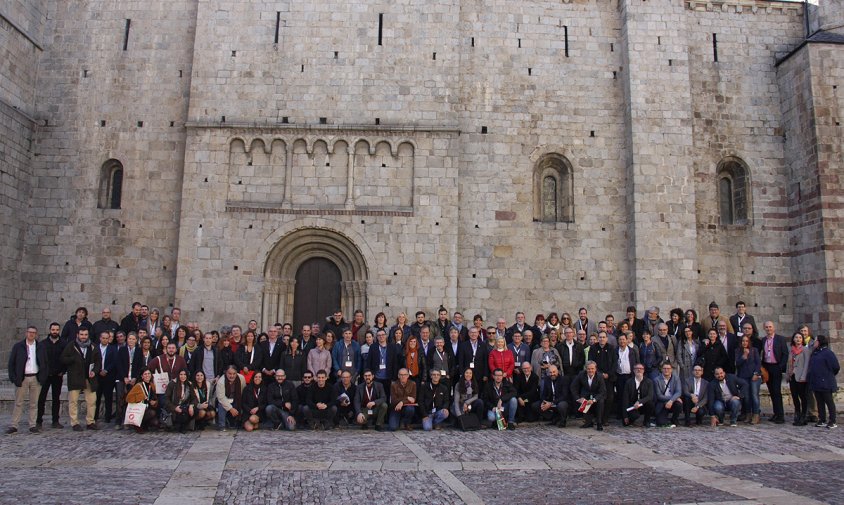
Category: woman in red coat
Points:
column 502, row 358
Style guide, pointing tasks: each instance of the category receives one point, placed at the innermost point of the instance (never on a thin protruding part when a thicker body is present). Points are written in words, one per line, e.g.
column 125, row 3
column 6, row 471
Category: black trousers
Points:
column 620, row 381
column 687, row 410
column 105, row 395
column 799, row 396
column 825, row 401
column 54, row 383
column 646, row 410
column 775, row 388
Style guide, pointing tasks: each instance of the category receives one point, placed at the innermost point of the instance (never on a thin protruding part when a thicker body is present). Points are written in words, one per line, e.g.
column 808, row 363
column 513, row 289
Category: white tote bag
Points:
column 160, row 379
column 135, row 414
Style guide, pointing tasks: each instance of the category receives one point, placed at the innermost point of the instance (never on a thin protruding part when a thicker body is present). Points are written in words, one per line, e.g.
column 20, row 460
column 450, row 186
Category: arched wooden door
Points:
column 317, row 292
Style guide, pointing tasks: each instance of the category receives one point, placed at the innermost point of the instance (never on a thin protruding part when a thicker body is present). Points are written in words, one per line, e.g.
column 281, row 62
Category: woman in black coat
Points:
column 254, row 400
column 713, row 355
column 249, row 357
column 293, row 362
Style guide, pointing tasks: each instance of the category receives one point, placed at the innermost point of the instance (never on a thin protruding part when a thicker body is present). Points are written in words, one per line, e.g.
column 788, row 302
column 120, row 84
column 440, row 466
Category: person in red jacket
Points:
column 502, row 358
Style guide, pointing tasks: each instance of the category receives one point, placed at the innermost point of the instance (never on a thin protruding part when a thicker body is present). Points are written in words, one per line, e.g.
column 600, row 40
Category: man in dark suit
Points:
column 439, row 358
column 626, row 359
column 107, row 377
column 28, row 370
column 54, row 347
column 725, row 393
column 741, row 318
column 590, row 389
column 775, row 359
column 474, row 354
column 273, row 349
column 527, row 392
column 384, row 360
column 571, row 351
column 521, row 326
column 206, row 360
column 556, row 398
column 695, row 396
column 638, row 393
column 730, row 343
column 130, row 364
column 606, row 360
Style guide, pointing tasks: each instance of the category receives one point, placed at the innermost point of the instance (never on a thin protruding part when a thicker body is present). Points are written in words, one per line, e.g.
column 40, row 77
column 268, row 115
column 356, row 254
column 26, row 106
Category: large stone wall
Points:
column 412, row 136
column 98, row 102
column 20, row 51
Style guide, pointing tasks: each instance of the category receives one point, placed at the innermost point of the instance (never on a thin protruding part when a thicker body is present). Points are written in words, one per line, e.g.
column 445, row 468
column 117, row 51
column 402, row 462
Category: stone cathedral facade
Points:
column 253, row 158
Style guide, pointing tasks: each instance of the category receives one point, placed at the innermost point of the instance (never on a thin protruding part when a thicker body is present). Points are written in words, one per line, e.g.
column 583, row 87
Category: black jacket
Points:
column 197, row 362
column 644, row 394
column 434, row 397
column 78, row 367
column 54, row 355
column 580, row 387
column 272, row 361
column 293, row 366
column 561, row 392
column 242, row 359
column 573, row 366
column 124, row 369
column 130, row 323
column 324, row 395
column 279, row 394
column 606, row 358
column 393, row 360
column 339, row 389
column 18, row 358
column 103, row 325
column 527, row 390
column 450, row 362
column 253, row 397
column 378, row 396
column 711, row 357
column 71, row 329
column 481, row 359
column 505, row 393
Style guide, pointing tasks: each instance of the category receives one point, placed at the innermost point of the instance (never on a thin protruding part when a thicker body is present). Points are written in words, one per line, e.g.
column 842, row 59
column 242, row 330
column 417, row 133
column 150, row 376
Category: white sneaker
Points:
column 831, row 425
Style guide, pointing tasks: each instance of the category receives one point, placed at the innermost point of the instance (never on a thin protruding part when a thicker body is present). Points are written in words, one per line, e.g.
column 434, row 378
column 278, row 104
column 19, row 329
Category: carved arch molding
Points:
column 321, row 171
column 299, row 246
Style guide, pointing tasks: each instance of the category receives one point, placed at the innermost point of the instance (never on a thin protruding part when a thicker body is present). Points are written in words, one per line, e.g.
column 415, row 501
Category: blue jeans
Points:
column 434, row 419
column 224, row 419
column 405, row 417
column 510, row 408
column 734, row 406
column 751, row 402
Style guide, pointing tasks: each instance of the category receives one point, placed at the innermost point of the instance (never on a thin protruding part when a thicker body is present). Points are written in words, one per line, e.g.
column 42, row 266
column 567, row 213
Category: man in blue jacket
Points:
column 668, row 391
column 28, row 370
column 345, row 356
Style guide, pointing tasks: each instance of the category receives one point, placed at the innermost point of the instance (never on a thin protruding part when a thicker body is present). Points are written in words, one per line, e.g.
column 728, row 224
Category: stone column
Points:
column 660, row 174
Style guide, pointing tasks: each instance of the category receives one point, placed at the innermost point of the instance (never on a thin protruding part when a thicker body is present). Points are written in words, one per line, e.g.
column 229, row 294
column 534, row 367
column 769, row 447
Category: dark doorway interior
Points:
column 317, row 293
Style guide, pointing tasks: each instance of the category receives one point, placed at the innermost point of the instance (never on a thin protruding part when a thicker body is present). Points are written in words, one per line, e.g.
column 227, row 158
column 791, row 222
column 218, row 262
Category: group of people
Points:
column 431, row 373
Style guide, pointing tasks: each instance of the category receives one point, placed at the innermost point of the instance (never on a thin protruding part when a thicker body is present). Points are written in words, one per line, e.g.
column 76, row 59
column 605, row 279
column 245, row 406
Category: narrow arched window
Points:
column 549, row 199
column 111, row 185
column 552, row 189
column 725, row 197
column 733, row 192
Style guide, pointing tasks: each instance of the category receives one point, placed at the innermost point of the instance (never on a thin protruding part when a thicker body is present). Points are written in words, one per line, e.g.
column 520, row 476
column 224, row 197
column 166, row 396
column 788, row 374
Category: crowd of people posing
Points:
column 422, row 372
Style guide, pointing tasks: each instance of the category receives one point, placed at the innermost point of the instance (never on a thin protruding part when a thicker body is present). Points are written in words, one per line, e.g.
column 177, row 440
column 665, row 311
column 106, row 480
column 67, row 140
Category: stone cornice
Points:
column 321, row 128
column 742, row 6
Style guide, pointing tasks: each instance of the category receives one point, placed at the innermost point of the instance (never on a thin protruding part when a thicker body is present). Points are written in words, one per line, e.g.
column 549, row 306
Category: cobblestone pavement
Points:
column 534, row 464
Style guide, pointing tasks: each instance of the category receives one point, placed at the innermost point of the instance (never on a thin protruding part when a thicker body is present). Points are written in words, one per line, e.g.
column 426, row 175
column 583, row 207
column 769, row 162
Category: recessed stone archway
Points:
column 295, row 248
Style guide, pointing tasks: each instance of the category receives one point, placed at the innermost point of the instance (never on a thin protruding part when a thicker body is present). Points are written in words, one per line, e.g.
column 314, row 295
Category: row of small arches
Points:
column 404, row 146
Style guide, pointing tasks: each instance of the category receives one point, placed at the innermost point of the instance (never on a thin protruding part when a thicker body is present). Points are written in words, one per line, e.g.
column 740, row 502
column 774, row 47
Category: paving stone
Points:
column 298, row 487
column 82, row 486
column 616, row 486
column 820, row 480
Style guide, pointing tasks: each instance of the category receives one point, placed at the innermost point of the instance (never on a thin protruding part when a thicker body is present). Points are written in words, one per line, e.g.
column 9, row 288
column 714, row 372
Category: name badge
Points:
column 518, row 363
column 472, row 365
column 739, row 334
column 443, row 373
column 348, row 364
column 369, row 412
column 383, row 366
